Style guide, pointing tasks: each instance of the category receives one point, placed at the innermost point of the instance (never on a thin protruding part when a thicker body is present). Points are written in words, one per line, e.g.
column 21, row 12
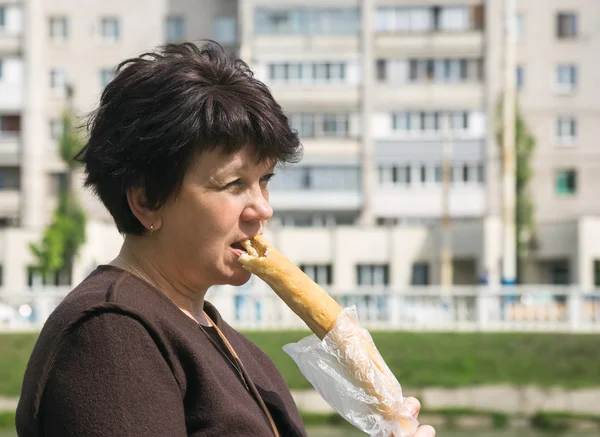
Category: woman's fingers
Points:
column 425, row 431
column 413, row 405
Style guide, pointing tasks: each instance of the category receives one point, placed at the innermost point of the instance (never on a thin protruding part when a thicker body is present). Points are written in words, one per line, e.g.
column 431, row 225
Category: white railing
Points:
column 525, row 308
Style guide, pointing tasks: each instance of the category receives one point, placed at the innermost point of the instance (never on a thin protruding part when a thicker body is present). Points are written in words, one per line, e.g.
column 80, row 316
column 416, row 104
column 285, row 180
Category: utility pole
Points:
column 446, row 273
column 35, row 134
column 368, row 174
column 509, row 242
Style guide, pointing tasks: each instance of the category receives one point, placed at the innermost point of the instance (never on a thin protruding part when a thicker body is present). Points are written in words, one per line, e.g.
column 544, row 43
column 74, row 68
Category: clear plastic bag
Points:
column 349, row 373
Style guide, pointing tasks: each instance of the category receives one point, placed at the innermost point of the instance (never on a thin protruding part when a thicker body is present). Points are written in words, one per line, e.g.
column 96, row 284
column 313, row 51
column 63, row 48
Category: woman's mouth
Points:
column 238, row 248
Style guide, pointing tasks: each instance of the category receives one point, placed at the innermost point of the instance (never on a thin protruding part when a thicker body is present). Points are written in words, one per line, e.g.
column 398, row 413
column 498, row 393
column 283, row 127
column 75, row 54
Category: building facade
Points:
column 386, row 95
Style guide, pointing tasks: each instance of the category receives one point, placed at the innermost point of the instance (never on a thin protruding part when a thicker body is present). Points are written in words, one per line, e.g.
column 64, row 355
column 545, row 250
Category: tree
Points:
column 524, row 149
column 65, row 234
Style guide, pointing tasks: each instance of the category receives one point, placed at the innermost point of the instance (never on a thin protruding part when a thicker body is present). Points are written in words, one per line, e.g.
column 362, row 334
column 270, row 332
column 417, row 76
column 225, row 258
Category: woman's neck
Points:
column 140, row 260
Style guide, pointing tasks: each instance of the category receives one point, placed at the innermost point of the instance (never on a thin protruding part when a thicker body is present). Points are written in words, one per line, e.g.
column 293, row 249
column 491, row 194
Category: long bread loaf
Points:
column 318, row 310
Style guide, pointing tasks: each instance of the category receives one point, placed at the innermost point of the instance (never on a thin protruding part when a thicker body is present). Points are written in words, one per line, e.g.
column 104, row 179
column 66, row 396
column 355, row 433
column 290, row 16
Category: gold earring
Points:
column 151, row 229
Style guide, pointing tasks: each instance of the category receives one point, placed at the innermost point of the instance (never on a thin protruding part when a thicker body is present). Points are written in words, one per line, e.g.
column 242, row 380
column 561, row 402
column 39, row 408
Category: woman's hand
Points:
column 414, row 406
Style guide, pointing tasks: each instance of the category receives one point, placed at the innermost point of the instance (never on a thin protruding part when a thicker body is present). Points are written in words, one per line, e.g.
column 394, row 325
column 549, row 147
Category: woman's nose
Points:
column 258, row 207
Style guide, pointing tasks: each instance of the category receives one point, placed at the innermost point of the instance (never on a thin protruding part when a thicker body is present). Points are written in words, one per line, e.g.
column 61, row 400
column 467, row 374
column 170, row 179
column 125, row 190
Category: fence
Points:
column 524, row 308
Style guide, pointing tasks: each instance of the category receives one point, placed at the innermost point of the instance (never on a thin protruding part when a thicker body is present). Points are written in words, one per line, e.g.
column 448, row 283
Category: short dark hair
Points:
column 164, row 108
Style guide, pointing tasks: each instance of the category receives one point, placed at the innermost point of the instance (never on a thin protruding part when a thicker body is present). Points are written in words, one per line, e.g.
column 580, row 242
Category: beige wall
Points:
column 539, row 52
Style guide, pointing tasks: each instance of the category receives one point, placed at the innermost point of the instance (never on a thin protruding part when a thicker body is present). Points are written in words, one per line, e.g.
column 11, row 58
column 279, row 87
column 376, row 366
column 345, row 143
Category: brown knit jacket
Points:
column 117, row 358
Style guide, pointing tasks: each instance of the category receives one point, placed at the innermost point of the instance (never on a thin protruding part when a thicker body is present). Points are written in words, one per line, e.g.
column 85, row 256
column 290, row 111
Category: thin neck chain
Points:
column 140, row 274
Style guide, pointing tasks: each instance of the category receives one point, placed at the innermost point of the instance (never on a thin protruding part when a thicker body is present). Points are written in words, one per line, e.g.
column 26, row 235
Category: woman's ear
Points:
column 138, row 203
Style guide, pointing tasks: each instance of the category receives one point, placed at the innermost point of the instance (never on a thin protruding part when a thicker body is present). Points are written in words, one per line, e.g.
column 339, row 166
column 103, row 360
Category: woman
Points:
column 180, row 151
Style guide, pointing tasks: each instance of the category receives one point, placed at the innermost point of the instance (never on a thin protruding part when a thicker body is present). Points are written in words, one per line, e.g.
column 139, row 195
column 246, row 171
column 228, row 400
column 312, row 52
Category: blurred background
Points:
column 447, row 190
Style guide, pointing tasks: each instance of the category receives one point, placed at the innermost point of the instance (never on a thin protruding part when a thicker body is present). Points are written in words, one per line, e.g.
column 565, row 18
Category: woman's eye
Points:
column 265, row 179
column 233, row 184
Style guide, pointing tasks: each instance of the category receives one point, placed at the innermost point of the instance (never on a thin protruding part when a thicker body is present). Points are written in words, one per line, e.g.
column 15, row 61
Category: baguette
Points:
column 319, row 311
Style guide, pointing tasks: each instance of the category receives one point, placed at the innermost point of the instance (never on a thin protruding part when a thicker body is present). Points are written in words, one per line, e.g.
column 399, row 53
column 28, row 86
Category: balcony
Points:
column 435, row 44
column 11, row 28
column 9, row 44
column 316, row 97
column 313, row 200
column 435, row 95
column 319, row 187
column 303, row 45
column 11, row 96
column 466, row 200
column 9, row 203
column 9, row 149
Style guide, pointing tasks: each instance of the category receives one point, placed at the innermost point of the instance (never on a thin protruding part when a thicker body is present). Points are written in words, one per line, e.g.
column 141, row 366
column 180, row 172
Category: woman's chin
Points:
column 239, row 278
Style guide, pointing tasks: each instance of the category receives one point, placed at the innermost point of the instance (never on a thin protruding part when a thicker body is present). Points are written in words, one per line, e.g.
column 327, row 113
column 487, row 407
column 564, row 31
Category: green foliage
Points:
column 524, row 149
column 66, row 232
column 70, row 142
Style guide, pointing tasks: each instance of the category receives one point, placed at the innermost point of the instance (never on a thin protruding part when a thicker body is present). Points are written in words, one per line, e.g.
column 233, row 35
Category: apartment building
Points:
column 382, row 92
column 58, row 54
column 375, row 90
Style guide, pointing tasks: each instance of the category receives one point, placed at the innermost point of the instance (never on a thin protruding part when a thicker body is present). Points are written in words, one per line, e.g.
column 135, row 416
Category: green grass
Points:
column 462, row 359
column 14, row 354
column 7, row 420
column 417, row 359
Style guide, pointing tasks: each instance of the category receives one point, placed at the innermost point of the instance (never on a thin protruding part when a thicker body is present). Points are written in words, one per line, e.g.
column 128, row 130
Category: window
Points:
column 481, row 173
column 57, row 183
column 520, row 77
column 438, row 174
column 423, row 174
column 307, row 21
column 395, row 175
column 110, row 29
column 566, row 182
column 174, row 29
column 106, row 76
column 335, row 125
column 401, row 121
column 443, row 70
column 566, row 130
column 314, row 73
column 427, row 123
column 57, row 129
column 454, row 18
column 10, row 125
column 320, row 273
column 566, row 25
column 559, row 273
column 372, row 274
column 59, row 30
column 420, row 274
column 381, row 70
column 459, row 121
column 566, row 77
column 430, row 121
column 596, row 273
column 35, row 279
column 311, row 125
column 519, row 27
column 58, row 79
column 225, row 30
column 465, row 173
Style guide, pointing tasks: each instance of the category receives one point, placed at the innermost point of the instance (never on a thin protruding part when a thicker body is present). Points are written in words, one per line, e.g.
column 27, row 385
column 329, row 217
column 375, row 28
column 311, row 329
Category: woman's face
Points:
column 223, row 200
